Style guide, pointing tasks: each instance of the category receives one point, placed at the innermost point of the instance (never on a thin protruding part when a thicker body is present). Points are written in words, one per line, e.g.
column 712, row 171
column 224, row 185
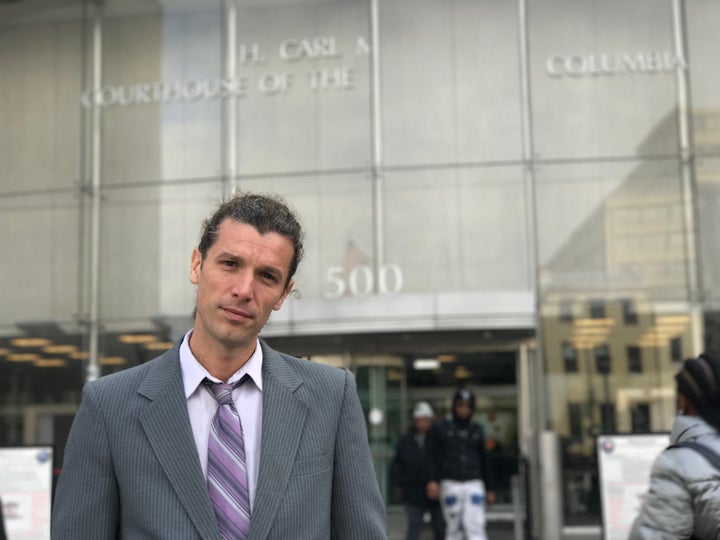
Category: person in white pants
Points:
column 463, row 505
column 459, row 471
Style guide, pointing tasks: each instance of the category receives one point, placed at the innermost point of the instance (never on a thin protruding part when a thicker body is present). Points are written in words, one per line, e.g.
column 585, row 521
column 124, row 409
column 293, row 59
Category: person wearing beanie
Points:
column 683, row 500
column 460, row 475
column 410, row 469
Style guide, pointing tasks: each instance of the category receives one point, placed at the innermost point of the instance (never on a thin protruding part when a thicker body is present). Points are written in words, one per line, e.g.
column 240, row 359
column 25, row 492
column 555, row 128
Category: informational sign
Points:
column 26, row 491
column 624, row 463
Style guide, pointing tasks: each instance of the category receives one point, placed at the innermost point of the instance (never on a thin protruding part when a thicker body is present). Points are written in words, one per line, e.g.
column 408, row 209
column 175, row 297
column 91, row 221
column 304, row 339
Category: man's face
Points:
column 463, row 409
column 422, row 424
column 240, row 282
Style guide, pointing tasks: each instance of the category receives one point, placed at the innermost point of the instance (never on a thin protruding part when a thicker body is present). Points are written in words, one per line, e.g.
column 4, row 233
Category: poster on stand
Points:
column 26, row 491
column 624, row 463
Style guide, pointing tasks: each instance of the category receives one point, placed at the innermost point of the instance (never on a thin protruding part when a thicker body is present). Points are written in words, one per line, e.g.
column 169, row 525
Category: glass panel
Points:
column 40, row 272
column 147, row 237
column 703, row 42
column 612, row 243
column 379, row 394
column 41, row 365
column 300, row 88
column 41, row 63
column 450, row 87
column 624, row 383
column 612, row 225
column 42, row 340
column 448, row 229
column 160, row 95
column 305, row 65
column 603, row 85
column 708, row 204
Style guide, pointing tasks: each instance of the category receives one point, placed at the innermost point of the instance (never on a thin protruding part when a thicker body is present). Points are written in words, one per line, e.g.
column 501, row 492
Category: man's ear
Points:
column 284, row 295
column 680, row 403
column 685, row 406
column 195, row 265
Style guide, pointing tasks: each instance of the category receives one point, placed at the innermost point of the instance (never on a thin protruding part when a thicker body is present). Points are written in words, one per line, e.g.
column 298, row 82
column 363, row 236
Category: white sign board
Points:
column 26, row 491
column 624, row 463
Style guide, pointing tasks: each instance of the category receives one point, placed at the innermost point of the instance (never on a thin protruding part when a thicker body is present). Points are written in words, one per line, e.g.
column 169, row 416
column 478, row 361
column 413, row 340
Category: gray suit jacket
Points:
column 131, row 467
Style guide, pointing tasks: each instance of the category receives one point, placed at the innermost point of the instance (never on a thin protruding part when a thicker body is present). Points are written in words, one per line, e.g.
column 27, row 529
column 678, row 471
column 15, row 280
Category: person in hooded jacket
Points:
column 683, row 499
column 410, row 466
column 459, row 470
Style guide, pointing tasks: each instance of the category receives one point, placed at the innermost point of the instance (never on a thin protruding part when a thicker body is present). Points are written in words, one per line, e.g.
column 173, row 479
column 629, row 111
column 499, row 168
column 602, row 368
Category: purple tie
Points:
column 226, row 470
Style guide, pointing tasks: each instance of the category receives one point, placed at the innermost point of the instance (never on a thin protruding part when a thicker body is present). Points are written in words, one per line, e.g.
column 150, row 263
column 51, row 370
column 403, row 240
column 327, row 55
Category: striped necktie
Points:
column 226, row 470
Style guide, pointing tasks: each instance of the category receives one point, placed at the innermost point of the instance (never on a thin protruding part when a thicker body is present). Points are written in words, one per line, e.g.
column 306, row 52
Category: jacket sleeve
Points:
column 666, row 512
column 86, row 503
column 398, row 468
column 358, row 509
column 487, row 473
column 432, row 453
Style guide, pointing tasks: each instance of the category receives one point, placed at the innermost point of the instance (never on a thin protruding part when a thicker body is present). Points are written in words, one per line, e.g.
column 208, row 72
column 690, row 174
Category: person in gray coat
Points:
column 683, row 499
column 281, row 454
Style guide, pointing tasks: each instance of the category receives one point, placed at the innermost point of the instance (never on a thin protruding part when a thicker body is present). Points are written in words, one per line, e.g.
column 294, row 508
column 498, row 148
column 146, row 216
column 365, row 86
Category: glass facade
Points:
column 525, row 194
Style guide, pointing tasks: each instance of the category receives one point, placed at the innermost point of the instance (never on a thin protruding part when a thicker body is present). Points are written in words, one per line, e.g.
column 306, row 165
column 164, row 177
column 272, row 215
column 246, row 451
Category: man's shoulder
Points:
column 311, row 371
column 305, row 366
column 133, row 376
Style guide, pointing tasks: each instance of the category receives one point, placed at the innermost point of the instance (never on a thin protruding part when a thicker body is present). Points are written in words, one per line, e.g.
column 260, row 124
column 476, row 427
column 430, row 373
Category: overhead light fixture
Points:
column 446, row 358
column 30, row 342
column 461, row 372
column 159, row 345
column 135, row 339
column 59, row 349
column 22, row 357
column 420, row 364
column 79, row 355
column 112, row 360
column 50, row 362
column 4, row 352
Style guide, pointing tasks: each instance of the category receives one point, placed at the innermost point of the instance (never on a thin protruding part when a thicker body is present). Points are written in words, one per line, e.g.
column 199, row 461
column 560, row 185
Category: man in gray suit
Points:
column 137, row 458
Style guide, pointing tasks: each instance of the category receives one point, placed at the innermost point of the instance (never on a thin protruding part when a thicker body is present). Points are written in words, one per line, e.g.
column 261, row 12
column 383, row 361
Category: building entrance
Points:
column 491, row 375
column 396, row 370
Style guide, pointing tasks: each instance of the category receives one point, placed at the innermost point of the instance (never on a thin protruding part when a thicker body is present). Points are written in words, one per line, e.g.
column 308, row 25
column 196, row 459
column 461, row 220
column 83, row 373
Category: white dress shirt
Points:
column 201, row 406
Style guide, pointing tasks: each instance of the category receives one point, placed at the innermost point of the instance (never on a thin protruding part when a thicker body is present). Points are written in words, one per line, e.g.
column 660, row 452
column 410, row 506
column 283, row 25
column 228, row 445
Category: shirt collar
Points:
column 193, row 372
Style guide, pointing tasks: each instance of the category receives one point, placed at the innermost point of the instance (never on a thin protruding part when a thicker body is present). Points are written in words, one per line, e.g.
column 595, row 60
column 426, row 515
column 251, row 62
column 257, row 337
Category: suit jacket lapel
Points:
column 282, row 424
column 167, row 426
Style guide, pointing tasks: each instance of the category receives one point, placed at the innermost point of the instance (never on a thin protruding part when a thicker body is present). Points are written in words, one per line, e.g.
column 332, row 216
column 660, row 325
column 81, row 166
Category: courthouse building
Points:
column 520, row 197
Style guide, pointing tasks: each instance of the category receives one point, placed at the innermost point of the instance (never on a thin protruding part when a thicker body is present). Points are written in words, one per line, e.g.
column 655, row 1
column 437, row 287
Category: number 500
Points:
column 361, row 282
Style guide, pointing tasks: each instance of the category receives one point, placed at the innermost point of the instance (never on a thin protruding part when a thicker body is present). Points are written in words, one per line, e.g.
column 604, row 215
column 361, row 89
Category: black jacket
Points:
column 410, row 469
column 456, row 451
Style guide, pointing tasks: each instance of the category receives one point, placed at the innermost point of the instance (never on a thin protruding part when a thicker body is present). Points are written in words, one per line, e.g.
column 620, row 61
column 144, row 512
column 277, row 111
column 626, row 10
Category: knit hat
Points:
column 464, row 395
column 699, row 382
column 423, row 410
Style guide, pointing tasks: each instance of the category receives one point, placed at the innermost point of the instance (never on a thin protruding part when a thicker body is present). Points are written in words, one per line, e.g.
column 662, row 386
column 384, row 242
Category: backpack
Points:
column 706, row 452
